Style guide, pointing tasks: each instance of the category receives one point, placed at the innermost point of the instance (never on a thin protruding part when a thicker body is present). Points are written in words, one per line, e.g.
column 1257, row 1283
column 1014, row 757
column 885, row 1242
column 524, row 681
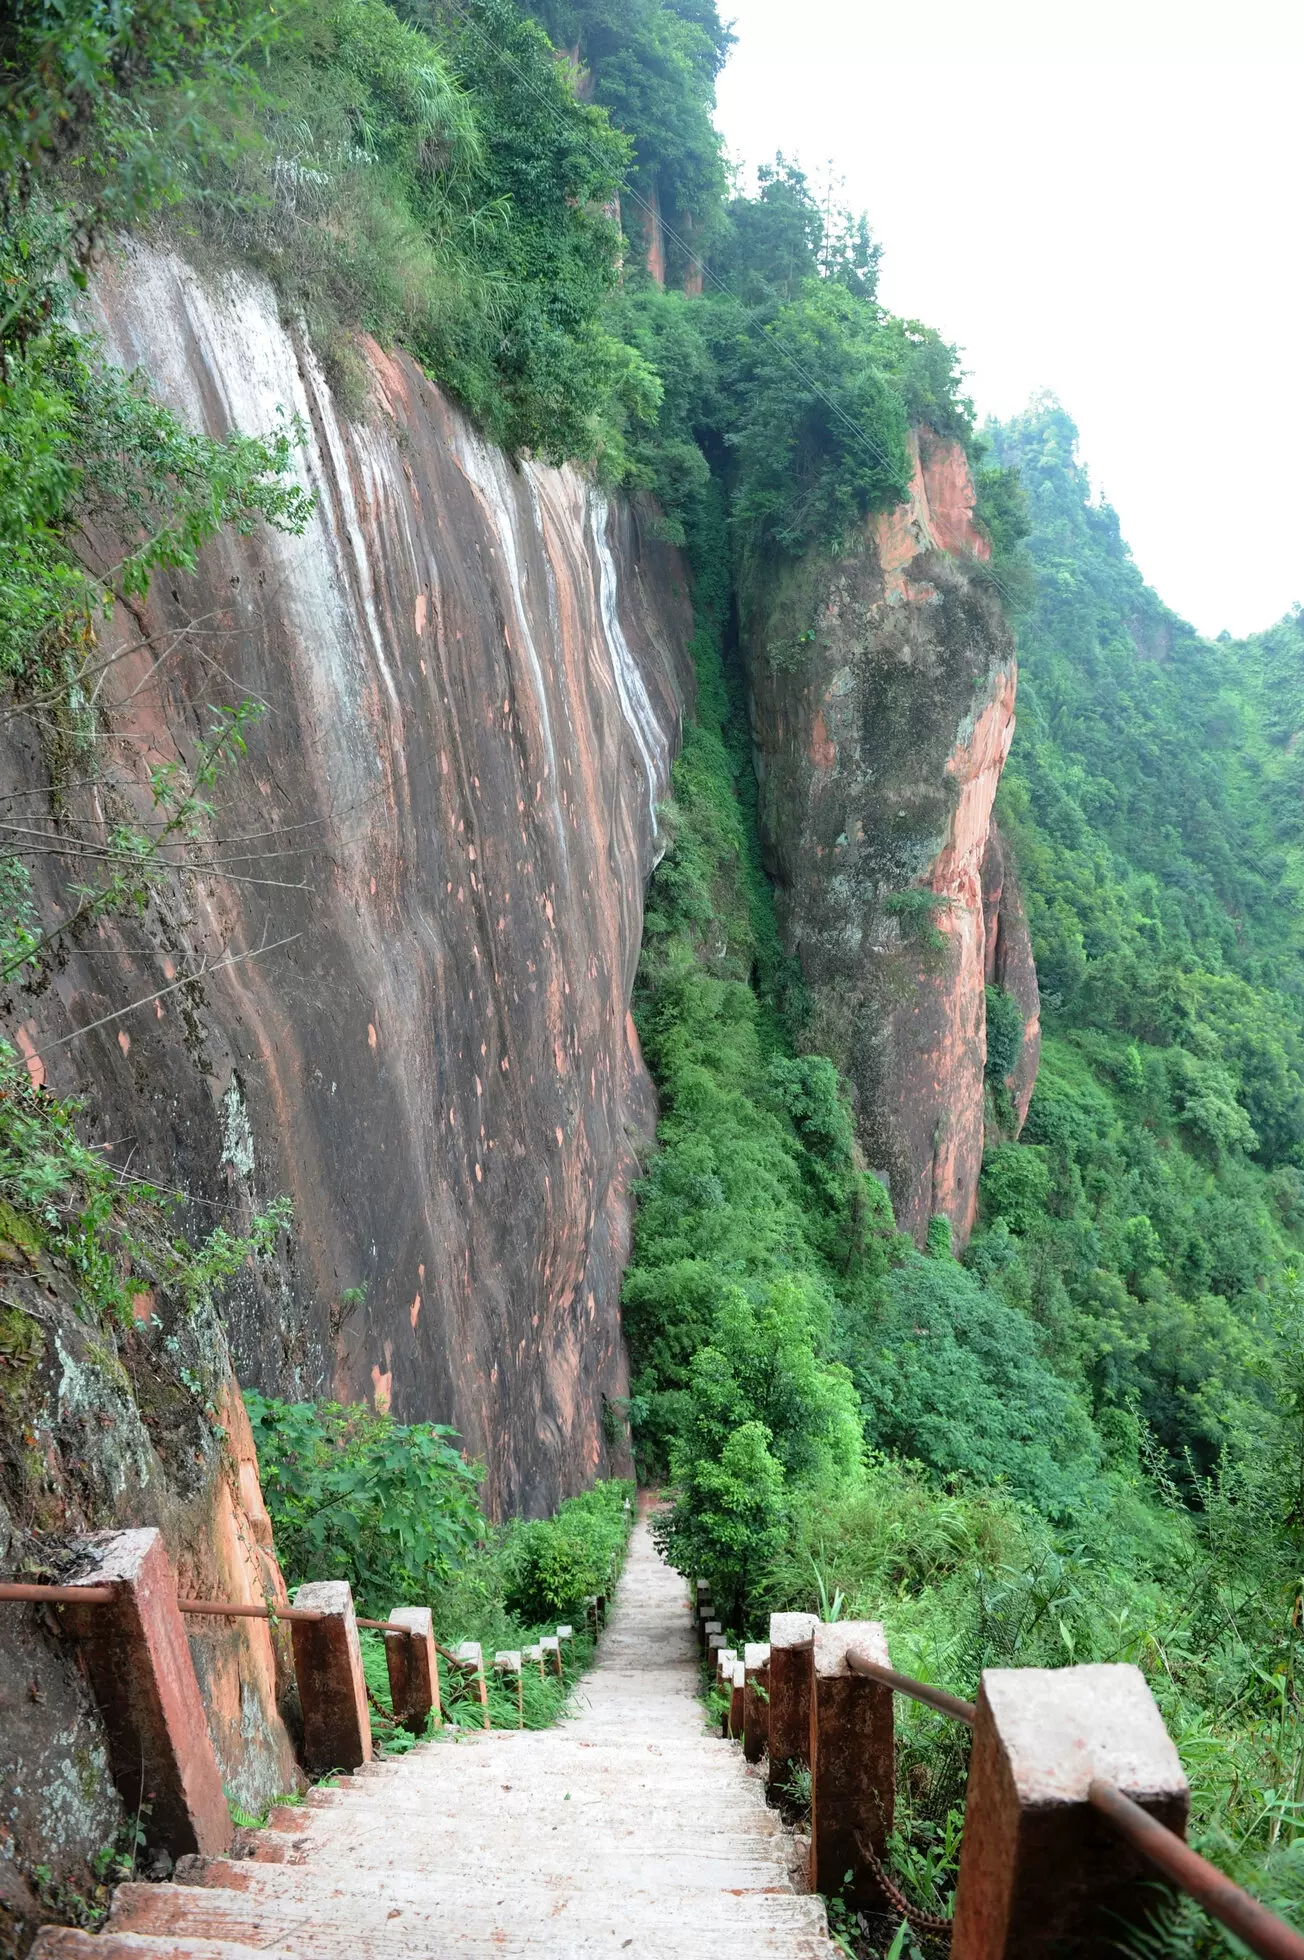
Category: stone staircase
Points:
column 625, row 1830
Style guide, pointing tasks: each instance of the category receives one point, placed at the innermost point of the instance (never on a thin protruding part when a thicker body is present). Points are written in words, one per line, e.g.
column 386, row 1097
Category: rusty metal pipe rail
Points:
column 859, row 1662
column 39, row 1595
column 392, row 1626
column 229, row 1608
column 1271, row 1938
column 1266, row 1935
column 243, row 1610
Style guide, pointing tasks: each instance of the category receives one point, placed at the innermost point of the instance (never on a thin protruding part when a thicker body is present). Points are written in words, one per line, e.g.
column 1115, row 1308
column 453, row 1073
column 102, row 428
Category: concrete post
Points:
column 470, row 1656
column 739, row 1676
column 852, row 1762
column 756, row 1699
column 508, row 1662
column 535, row 1656
column 142, row 1676
column 791, row 1639
column 552, row 1652
column 707, row 1628
column 413, row 1668
column 332, row 1687
column 1040, row 1871
column 722, row 1682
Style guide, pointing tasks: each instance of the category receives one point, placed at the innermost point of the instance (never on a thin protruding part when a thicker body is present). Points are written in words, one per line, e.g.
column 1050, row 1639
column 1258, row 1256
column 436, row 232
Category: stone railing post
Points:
column 332, row 1686
column 756, row 1699
column 852, row 1762
column 706, row 1629
column 470, row 1658
column 792, row 1637
column 722, row 1682
column 1040, row 1871
column 737, row 1690
column 138, row 1660
column 508, row 1663
column 413, row 1668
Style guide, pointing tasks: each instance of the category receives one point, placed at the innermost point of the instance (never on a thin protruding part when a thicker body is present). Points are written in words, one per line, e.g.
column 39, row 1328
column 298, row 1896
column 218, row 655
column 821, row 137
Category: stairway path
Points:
column 625, row 1830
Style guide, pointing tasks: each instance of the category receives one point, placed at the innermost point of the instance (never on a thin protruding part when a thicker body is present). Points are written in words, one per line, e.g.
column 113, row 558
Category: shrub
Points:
column 951, row 1376
column 552, row 1565
column 1015, row 1185
column 391, row 1507
column 1004, row 1034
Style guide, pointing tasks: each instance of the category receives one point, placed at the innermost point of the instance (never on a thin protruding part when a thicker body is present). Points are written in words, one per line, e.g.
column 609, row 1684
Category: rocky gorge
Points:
column 398, row 990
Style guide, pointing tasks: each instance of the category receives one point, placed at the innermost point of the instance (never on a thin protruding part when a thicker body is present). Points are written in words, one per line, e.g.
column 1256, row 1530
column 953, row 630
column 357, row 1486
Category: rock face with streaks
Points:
column 415, row 947
column 882, row 693
column 394, row 985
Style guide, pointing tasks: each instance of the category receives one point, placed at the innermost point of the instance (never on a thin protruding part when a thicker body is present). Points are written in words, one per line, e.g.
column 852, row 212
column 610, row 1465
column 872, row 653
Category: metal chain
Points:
column 920, row 1922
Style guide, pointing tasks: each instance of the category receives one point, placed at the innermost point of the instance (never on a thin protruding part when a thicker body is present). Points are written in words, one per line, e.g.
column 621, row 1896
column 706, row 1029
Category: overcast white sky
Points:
column 1101, row 197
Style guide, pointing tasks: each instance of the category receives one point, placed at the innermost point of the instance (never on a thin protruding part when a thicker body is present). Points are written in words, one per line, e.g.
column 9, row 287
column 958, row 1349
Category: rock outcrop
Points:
column 130, row 1426
column 882, row 690
column 430, row 871
column 393, row 984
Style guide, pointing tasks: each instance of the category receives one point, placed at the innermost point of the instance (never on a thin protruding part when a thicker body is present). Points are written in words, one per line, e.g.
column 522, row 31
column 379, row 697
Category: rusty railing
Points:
column 127, row 1619
column 1052, row 1750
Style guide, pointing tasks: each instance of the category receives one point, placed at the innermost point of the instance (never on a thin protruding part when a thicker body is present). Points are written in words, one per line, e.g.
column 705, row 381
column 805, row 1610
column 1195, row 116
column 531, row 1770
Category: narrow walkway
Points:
column 624, row 1831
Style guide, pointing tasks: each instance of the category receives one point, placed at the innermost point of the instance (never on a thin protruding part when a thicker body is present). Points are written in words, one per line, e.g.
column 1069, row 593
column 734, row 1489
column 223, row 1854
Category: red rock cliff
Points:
column 474, row 678
column 882, row 690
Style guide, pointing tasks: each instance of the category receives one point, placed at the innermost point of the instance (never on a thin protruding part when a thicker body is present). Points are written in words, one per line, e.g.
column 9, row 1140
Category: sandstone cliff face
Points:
column 474, row 680
column 882, row 690
column 429, row 873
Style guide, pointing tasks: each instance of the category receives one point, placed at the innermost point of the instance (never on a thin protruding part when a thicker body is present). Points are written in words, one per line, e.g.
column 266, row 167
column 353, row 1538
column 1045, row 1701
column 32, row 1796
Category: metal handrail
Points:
column 1262, row 1931
column 961, row 1711
column 39, row 1595
column 246, row 1610
column 308, row 1614
column 395, row 1626
column 42, row 1595
column 1271, row 1938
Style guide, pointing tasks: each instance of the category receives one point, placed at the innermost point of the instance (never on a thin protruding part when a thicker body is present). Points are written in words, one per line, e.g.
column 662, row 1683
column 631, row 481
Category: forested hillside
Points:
column 1150, row 797
column 1086, row 1439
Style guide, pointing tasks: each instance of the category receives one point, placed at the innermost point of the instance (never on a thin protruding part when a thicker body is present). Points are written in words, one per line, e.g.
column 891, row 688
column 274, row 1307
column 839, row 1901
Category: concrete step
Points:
column 337, row 1924
column 627, row 1832
column 684, row 1869
column 65, row 1943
